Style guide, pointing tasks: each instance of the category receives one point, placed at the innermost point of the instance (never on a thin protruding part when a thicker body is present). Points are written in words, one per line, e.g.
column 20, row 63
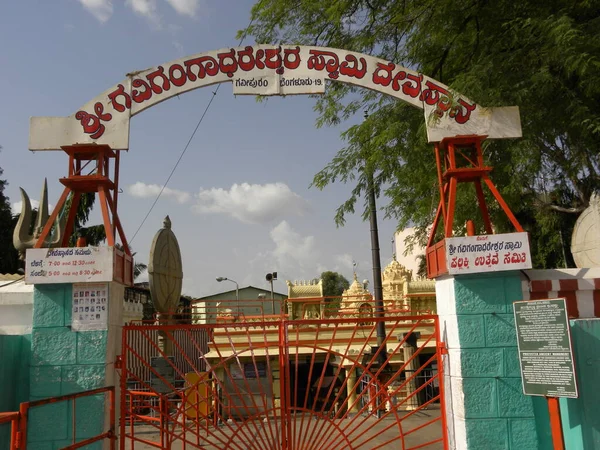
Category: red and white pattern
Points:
column 580, row 287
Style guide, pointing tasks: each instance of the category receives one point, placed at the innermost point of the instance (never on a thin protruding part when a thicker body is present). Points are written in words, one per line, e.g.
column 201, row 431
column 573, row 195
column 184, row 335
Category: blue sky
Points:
column 239, row 201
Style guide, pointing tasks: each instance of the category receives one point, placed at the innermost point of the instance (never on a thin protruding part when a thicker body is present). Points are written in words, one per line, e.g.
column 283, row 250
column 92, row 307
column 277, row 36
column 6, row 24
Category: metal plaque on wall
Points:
column 545, row 352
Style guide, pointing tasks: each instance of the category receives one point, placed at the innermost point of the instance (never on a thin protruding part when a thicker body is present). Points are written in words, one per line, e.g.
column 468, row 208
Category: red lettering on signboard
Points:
column 158, row 73
column 120, row 92
column 320, row 60
column 385, row 78
column 206, row 65
column 247, row 59
column 350, row 67
column 180, row 79
column 92, row 124
column 291, row 58
column 140, row 96
column 227, row 62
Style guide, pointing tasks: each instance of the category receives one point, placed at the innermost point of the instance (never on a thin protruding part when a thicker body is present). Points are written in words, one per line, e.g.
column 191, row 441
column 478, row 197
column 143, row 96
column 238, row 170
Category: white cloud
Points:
column 344, row 263
column 143, row 190
column 185, row 7
column 145, row 8
column 16, row 206
column 291, row 246
column 251, row 203
column 101, row 9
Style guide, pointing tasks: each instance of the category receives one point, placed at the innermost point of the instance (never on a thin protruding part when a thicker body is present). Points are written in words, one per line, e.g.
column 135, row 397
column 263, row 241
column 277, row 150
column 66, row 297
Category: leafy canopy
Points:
column 541, row 56
column 334, row 284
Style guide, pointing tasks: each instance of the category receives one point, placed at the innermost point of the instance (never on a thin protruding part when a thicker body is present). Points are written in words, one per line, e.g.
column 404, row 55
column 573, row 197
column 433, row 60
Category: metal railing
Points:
column 19, row 420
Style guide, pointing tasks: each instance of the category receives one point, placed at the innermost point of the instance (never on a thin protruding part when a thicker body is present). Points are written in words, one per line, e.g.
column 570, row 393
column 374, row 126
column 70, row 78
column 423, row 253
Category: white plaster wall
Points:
column 16, row 308
column 410, row 261
column 453, row 391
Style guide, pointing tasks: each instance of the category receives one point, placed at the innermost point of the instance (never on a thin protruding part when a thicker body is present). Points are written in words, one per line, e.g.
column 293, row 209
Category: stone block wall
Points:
column 63, row 362
column 482, row 374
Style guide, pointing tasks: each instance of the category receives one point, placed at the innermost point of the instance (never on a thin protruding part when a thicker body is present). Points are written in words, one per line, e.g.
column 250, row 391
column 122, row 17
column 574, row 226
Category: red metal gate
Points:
column 280, row 384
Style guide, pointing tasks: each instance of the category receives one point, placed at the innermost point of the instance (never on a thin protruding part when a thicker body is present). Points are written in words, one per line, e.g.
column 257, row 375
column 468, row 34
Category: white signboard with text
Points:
column 89, row 307
column 488, row 253
column 69, row 265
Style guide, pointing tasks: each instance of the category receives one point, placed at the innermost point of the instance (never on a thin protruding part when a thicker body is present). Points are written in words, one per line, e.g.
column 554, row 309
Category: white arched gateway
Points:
column 269, row 70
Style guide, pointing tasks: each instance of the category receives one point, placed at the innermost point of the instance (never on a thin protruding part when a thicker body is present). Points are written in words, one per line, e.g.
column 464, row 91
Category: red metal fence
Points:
column 352, row 383
column 19, row 420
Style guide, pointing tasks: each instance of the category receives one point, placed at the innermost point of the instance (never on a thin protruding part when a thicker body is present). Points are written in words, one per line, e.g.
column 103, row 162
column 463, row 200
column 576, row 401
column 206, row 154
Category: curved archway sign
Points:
column 270, row 70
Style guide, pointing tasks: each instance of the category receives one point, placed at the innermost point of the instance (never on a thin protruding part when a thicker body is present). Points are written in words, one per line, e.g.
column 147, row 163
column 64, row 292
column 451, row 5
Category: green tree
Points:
column 94, row 234
column 334, row 284
column 9, row 257
column 542, row 57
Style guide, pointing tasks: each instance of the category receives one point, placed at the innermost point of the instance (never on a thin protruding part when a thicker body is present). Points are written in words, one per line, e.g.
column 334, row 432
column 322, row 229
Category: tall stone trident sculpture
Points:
column 165, row 276
column 22, row 238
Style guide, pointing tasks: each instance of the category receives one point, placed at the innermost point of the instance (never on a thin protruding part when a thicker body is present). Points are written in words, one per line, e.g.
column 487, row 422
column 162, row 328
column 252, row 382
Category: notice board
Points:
column 545, row 352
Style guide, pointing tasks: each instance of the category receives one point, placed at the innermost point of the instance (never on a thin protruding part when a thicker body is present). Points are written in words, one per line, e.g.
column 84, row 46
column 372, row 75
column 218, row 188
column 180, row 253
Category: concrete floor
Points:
column 307, row 433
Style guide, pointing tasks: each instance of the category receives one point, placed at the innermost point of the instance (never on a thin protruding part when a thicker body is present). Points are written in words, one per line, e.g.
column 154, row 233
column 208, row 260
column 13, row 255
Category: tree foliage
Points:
column 541, row 56
column 9, row 257
column 334, row 284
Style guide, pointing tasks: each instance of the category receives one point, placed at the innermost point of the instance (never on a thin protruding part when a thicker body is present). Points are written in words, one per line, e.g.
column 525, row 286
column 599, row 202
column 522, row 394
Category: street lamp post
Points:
column 237, row 291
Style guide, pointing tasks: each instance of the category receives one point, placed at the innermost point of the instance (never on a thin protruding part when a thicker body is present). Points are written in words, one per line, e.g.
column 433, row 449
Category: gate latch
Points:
column 119, row 362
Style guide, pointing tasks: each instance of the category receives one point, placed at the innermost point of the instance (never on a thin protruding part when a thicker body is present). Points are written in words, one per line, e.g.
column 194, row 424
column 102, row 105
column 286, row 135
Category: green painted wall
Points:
column 497, row 414
column 63, row 362
column 15, row 354
column 581, row 416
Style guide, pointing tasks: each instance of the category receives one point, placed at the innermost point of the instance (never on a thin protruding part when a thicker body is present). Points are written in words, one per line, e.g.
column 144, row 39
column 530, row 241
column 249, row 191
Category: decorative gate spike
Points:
column 22, row 239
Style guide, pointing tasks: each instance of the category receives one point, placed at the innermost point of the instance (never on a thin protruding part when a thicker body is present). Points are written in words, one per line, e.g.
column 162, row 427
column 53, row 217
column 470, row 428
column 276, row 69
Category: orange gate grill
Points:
column 273, row 383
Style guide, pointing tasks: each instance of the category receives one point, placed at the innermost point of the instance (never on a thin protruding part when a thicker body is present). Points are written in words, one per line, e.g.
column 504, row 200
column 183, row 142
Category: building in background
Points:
column 253, row 301
column 410, row 261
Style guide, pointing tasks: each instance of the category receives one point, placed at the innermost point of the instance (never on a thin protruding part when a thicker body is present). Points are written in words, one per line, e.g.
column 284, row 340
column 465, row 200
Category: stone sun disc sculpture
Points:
column 585, row 243
column 165, row 270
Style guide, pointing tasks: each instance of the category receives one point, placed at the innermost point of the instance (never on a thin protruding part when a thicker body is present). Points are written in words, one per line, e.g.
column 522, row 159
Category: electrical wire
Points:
column 184, row 149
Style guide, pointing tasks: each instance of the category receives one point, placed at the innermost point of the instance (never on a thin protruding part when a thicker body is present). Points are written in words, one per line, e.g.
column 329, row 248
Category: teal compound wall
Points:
column 63, row 362
column 15, row 351
column 580, row 416
column 497, row 415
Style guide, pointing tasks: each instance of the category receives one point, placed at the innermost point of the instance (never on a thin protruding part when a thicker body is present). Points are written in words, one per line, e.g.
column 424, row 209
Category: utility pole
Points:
column 375, row 255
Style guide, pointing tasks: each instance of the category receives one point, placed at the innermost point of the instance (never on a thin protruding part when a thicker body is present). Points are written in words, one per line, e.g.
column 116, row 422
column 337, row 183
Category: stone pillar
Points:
column 64, row 361
column 485, row 405
column 409, row 347
column 351, row 390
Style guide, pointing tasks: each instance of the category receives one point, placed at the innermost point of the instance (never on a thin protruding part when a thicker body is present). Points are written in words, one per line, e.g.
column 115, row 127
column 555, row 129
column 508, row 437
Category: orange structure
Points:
column 83, row 179
column 460, row 160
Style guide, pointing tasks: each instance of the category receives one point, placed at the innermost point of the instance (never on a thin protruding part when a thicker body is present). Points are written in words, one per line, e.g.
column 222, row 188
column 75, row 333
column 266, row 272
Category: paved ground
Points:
column 365, row 433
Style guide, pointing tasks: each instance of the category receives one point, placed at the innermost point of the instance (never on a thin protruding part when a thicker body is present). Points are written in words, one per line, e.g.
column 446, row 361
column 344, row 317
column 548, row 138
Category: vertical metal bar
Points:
column 440, row 180
column 555, row 423
column 116, row 183
column 130, row 423
column 23, row 418
column 110, row 237
column 14, row 424
column 112, row 418
column 451, row 205
column 282, row 383
column 122, row 395
column 483, row 207
column 73, row 421
column 440, row 363
column 71, row 218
